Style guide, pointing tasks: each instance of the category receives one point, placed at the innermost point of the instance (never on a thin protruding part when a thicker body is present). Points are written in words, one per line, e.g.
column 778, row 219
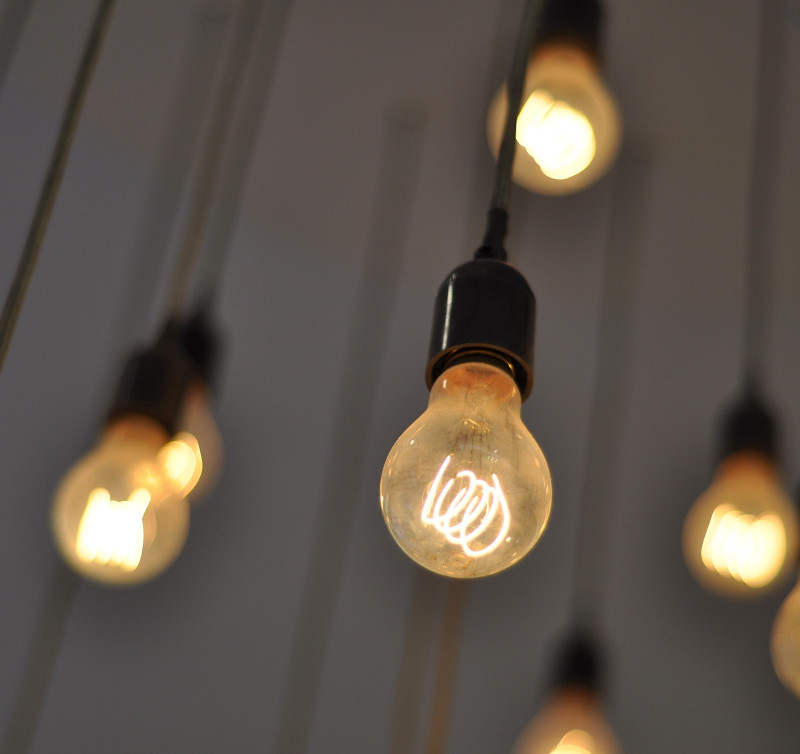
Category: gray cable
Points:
column 172, row 168
column 11, row 26
column 241, row 144
column 764, row 162
column 610, row 387
column 515, row 85
column 373, row 306
column 206, row 179
column 52, row 181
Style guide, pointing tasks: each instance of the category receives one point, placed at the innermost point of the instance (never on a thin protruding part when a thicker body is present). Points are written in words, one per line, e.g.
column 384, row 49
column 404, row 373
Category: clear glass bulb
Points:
column 568, row 126
column 116, row 517
column 466, row 490
column 193, row 457
column 570, row 723
column 785, row 644
column 741, row 535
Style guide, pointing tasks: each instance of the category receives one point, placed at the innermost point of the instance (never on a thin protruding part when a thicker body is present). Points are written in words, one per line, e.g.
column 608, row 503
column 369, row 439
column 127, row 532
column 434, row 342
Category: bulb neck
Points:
column 576, row 22
column 564, row 53
column 751, row 462
column 136, row 427
column 484, row 310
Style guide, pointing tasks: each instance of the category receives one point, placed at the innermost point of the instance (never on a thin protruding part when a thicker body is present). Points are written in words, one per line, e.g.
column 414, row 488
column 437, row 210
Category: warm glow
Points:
column 575, row 742
column 785, row 644
column 182, row 462
column 571, row 722
column 465, row 508
column 465, row 490
column 741, row 534
column 111, row 531
column 568, row 125
column 116, row 517
column 559, row 137
column 750, row 549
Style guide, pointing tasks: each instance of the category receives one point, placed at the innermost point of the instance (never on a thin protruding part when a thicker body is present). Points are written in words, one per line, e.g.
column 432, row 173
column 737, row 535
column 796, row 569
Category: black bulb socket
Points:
column 578, row 663
column 748, row 425
column 484, row 311
column 200, row 340
column 155, row 381
column 571, row 21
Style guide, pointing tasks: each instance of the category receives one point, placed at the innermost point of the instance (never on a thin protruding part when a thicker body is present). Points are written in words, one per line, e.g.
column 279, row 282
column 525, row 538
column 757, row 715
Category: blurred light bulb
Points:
column 192, row 458
column 570, row 723
column 116, row 517
column 785, row 644
column 741, row 534
column 568, row 124
column 466, row 490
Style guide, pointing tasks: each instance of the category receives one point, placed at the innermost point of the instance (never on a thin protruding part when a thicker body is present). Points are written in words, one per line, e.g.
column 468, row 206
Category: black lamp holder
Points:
column 748, row 425
column 578, row 663
column 575, row 21
column 484, row 311
column 155, row 380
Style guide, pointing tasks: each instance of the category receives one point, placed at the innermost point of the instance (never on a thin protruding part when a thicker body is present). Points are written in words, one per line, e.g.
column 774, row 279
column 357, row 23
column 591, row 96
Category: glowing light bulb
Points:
column 570, row 723
column 568, row 125
column 192, row 458
column 466, row 490
column 557, row 136
column 741, row 535
column 785, row 644
column 116, row 517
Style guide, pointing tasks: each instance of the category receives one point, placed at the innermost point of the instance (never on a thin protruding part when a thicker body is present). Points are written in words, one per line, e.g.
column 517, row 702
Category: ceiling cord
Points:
column 492, row 247
column 765, row 139
column 206, row 178
column 52, row 181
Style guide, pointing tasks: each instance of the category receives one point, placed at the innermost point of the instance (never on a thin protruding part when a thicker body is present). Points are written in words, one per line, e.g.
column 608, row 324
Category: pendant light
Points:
column 120, row 516
column 572, row 721
column 785, row 641
column 465, row 490
column 569, row 126
column 740, row 537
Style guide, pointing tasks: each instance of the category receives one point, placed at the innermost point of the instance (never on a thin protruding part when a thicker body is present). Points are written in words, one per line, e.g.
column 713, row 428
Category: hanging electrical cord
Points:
column 256, row 90
column 52, row 181
column 446, row 666
column 178, row 147
column 12, row 22
column 373, row 308
column 764, row 163
column 497, row 224
column 206, row 180
column 609, row 388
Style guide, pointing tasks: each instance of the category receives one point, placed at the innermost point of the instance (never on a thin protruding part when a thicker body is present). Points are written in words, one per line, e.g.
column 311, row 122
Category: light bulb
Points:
column 741, row 535
column 117, row 518
column 570, row 723
column 192, row 458
column 568, row 127
column 785, row 644
column 466, row 490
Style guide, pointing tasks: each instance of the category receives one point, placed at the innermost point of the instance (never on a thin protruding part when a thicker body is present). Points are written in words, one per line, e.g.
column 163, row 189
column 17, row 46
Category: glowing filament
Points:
column 559, row 138
column 181, row 461
column 112, row 531
column 750, row 549
column 575, row 742
column 465, row 509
